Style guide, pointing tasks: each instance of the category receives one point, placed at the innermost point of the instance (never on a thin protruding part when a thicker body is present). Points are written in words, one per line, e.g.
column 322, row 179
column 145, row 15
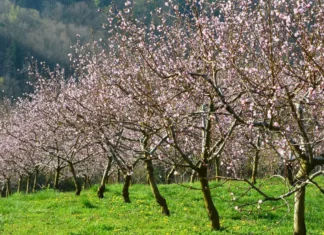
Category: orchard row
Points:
column 230, row 84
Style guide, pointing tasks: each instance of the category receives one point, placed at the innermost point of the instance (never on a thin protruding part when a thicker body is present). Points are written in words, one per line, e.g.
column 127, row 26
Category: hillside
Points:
column 45, row 30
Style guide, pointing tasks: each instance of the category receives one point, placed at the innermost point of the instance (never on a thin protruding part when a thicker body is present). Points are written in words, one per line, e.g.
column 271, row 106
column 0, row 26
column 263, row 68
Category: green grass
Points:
column 49, row 212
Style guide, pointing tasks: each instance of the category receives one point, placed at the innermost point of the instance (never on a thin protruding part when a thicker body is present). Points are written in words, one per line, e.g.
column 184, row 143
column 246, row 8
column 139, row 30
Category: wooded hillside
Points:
column 45, row 30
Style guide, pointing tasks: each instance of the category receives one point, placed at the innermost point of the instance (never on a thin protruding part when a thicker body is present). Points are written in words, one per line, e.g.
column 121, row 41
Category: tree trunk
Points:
column 89, row 181
column 107, row 179
column 86, row 182
column 57, row 177
column 28, row 183
column 84, row 185
column 3, row 191
column 101, row 190
column 193, row 176
column 170, row 176
column 48, row 178
column 127, row 181
column 299, row 212
column 151, row 178
column 211, row 209
column 255, row 167
column 8, row 187
column 102, row 187
column 77, row 185
column 118, row 176
column 19, row 184
column 217, row 168
column 35, row 179
column 155, row 190
column 46, row 181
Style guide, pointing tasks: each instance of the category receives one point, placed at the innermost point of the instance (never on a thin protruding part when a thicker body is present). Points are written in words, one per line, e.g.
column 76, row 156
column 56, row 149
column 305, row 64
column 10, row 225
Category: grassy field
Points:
column 49, row 212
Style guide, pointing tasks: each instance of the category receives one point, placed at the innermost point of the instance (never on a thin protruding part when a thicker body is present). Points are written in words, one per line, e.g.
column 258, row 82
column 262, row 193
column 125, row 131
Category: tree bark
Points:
column 299, row 207
column 127, row 181
column 202, row 170
column 118, row 176
column 102, row 187
column 170, row 176
column 19, row 184
column 35, row 178
column 57, row 177
column 84, row 185
column 28, row 183
column 3, row 191
column 210, row 207
column 8, row 187
column 101, row 190
column 77, row 185
column 255, row 167
column 217, row 168
column 155, row 190
column 89, row 181
column 47, row 177
column 151, row 178
column 299, row 212
column 193, row 176
column 86, row 182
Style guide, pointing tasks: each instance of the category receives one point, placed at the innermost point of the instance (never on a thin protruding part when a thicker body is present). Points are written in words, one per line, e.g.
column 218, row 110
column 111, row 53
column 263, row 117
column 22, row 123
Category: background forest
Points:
column 45, row 30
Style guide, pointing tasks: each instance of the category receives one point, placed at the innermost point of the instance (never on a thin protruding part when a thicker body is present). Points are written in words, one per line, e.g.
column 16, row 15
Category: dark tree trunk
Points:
column 127, row 182
column 170, row 176
column 217, row 168
column 77, row 185
column 86, row 182
column 211, row 209
column 299, row 212
column 35, row 179
column 28, row 183
column 101, row 190
column 102, row 187
column 8, row 187
column 255, row 167
column 48, row 178
column 155, row 190
column 89, row 181
column 57, row 177
column 118, row 176
column 289, row 173
column 151, row 178
column 19, row 184
column 202, row 171
column 3, row 191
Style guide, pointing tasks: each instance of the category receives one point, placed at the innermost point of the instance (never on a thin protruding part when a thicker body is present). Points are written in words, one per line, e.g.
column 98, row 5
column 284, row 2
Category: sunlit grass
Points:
column 49, row 212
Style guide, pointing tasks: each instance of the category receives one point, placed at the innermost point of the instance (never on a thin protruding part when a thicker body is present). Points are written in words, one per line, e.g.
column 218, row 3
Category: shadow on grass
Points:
column 87, row 204
column 107, row 228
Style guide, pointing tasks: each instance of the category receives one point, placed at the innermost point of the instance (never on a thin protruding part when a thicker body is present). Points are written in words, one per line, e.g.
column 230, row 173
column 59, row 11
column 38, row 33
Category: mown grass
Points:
column 49, row 212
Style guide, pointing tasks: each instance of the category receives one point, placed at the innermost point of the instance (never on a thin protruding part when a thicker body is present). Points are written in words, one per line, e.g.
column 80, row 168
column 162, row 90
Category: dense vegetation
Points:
column 45, row 30
column 182, row 91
